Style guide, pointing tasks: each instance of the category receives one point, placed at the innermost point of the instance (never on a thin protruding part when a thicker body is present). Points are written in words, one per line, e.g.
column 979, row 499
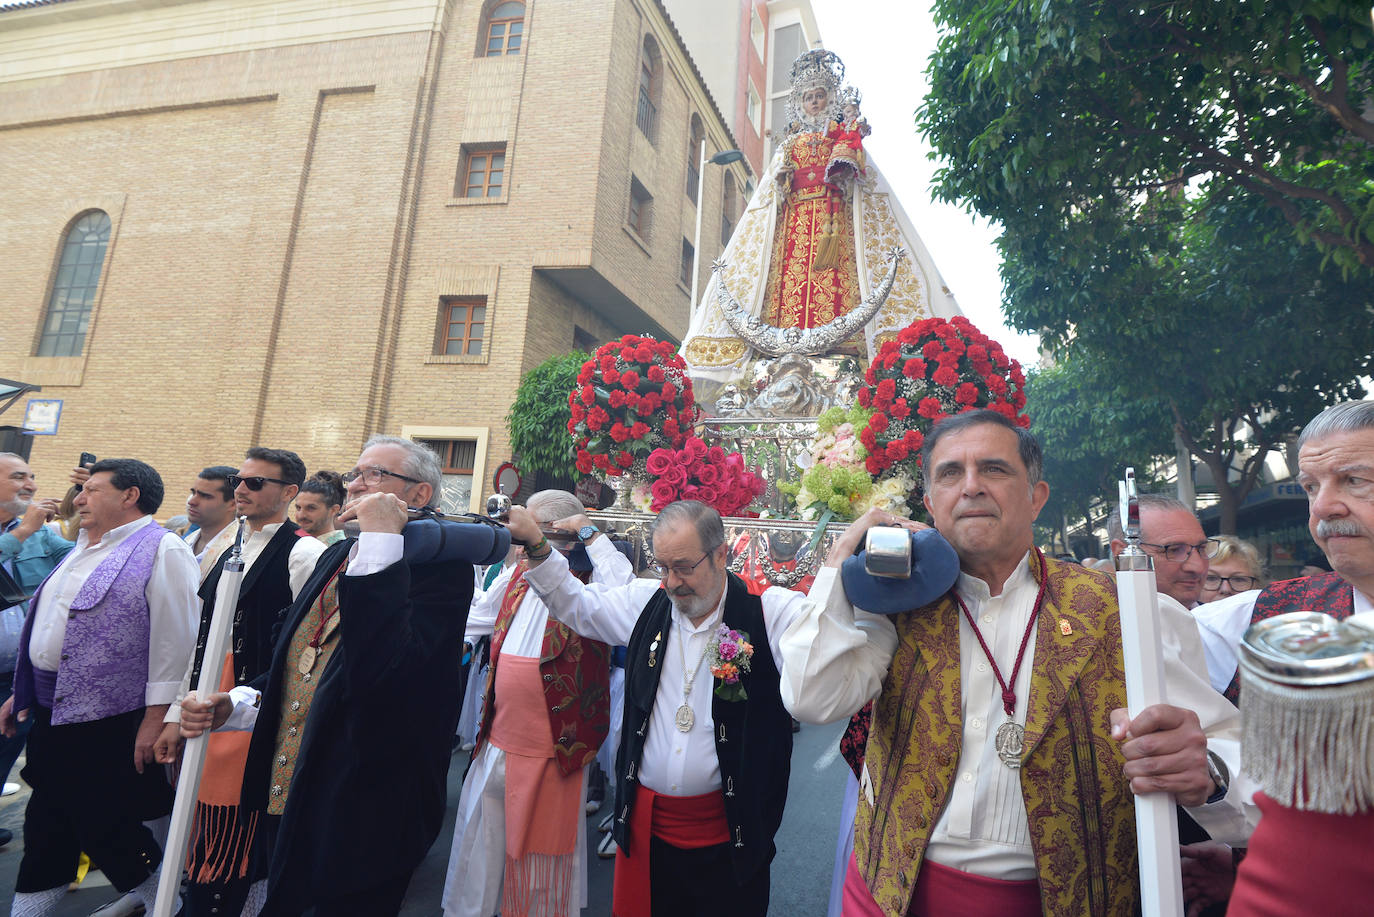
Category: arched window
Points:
column 73, row 290
column 650, row 79
column 695, row 136
column 729, row 208
column 504, row 30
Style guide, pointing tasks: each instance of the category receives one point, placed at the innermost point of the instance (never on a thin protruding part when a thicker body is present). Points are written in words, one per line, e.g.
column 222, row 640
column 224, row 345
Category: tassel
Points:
column 1309, row 748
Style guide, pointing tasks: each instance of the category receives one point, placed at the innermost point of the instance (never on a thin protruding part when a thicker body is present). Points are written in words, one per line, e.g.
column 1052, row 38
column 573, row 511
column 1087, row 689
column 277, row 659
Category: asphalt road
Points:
column 801, row 872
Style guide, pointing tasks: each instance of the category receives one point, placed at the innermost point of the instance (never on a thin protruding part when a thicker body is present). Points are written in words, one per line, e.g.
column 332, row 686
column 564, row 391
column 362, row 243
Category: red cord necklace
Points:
column 1011, row 735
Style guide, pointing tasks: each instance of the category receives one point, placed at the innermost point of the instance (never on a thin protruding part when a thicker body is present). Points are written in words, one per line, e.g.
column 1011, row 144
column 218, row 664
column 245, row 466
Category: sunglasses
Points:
column 255, row 483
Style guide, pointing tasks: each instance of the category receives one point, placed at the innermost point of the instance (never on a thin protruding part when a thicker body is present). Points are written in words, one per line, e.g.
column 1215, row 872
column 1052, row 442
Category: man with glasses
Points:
column 277, row 563
column 1171, row 534
column 351, row 724
column 701, row 775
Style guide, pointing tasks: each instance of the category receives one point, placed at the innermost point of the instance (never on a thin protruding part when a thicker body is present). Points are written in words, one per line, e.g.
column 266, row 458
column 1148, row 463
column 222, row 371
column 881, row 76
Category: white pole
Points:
column 193, row 756
column 696, row 241
column 1156, row 819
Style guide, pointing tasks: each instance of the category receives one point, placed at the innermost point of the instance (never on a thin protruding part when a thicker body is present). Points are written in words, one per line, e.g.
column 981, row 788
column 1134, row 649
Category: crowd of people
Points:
column 992, row 762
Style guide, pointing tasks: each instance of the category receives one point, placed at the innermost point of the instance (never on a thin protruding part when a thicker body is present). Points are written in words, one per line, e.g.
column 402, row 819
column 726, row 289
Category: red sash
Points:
column 683, row 821
column 944, row 892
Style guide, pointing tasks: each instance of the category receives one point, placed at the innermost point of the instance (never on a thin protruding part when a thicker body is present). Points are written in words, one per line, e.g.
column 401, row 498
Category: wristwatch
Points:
column 1220, row 774
column 587, row 533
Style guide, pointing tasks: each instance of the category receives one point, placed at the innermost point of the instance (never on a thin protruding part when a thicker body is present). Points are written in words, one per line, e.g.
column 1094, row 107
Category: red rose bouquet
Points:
column 700, row 472
column 933, row 369
column 632, row 397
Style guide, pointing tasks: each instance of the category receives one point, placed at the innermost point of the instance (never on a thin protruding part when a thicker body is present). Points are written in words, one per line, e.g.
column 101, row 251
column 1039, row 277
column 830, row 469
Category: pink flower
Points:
column 708, row 474
column 674, row 474
column 707, row 494
column 660, row 460
column 697, row 446
column 664, row 493
column 728, row 650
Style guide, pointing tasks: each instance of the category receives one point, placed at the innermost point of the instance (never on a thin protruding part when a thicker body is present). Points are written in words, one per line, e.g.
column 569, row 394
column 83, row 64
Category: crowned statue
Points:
column 822, row 268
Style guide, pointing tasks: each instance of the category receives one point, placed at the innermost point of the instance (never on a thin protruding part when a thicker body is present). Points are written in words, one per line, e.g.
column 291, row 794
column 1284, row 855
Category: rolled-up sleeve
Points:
column 834, row 656
column 173, row 616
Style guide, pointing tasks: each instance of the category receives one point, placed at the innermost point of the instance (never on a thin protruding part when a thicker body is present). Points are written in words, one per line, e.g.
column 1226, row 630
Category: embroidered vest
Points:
column 264, row 598
column 104, row 666
column 577, row 683
column 1080, row 809
column 753, row 737
column 1326, row 592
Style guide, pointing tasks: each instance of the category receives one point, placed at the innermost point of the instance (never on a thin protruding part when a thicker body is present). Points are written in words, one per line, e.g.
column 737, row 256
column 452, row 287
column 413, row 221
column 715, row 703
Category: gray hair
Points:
column 1162, row 502
column 558, row 503
column 421, row 462
column 1346, row 417
column 1026, row 443
column 14, row 455
column 710, row 528
column 1229, row 546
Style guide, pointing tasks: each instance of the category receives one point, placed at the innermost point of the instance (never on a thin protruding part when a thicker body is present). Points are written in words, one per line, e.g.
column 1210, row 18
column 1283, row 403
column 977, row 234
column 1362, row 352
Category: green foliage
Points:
column 538, row 418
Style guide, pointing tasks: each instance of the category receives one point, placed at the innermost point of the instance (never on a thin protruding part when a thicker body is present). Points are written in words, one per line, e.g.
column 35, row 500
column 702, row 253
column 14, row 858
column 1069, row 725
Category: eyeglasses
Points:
column 254, row 483
column 682, row 570
column 1179, row 552
column 372, row 476
column 1239, row 582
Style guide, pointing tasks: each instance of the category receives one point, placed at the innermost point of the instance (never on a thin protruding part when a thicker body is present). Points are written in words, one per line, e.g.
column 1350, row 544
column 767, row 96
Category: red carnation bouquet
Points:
column 933, row 369
column 632, row 397
column 700, row 472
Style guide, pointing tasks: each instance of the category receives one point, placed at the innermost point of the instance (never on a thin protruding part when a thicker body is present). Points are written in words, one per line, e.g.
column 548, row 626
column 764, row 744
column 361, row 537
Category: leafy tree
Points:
column 1056, row 115
column 538, row 418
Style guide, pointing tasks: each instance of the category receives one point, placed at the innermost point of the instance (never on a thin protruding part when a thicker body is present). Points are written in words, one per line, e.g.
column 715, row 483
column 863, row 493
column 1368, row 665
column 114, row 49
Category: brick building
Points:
column 236, row 222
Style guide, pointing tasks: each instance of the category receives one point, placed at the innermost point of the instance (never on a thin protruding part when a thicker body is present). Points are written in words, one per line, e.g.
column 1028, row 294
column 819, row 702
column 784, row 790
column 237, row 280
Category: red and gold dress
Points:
column 812, row 278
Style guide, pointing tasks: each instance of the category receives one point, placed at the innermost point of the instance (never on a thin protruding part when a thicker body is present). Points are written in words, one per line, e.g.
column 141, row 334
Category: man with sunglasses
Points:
column 1170, row 533
column 352, row 722
column 701, row 774
column 277, row 562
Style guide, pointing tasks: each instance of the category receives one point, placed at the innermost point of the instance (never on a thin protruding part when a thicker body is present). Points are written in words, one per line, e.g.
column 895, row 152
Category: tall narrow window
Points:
column 695, row 135
column 456, row 460
column 73, row 290
column 505, row 29
column 462, row 326
column 640, row 216
column 729, row 208
column 650, row 68
column 483, row 173
column 689, row 255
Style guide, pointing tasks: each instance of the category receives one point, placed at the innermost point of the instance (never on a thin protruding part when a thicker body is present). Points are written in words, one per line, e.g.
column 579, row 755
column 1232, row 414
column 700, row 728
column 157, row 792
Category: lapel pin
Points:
column 1065, row 627
column 653, row 649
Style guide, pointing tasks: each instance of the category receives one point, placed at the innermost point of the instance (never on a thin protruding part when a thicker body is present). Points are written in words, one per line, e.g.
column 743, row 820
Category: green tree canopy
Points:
column 538, row 418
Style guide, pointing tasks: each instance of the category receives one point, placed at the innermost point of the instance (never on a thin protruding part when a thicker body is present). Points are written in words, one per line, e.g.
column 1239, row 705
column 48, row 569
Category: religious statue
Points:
column 815, row 244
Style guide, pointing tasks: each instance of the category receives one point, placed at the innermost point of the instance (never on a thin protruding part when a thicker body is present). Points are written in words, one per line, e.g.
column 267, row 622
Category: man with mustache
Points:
column 701, row 774
column 1330, row 867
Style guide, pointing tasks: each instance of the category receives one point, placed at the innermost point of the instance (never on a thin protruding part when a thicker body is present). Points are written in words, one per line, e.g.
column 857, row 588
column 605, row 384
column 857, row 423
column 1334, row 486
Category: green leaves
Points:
column 538, row 418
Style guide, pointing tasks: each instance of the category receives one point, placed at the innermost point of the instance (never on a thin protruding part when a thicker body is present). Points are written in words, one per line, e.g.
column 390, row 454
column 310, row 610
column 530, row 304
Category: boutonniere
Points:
column 730, row 654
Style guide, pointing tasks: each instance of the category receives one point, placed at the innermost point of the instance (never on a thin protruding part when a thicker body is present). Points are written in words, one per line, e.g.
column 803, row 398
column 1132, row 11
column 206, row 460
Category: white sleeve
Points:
column 605, row 613
column 245, row 713
column 609, row 566
column 173, row 617
column 834, row 656
column 300, row 563
column 486, row 606
column 375, row 551
column 1229, row 820
column 1221, row 624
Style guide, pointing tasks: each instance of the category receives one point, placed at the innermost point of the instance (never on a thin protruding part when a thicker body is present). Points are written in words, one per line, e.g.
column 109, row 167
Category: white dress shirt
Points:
column 674, row 763
column 300, row 563
column 835, row 659
column 172, row 606
column 1222, row 623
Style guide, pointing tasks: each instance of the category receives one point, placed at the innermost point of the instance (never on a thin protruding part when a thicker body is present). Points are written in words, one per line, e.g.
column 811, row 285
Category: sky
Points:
column 885, row 45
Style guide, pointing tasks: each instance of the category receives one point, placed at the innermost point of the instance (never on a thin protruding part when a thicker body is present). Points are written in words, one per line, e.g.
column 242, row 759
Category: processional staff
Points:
column 1156, row 819
column 193, row 757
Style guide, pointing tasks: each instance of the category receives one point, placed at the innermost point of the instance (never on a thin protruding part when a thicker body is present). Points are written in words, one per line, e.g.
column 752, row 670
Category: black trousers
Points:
column 701, row 883
column 88, row 796
column 381, row 900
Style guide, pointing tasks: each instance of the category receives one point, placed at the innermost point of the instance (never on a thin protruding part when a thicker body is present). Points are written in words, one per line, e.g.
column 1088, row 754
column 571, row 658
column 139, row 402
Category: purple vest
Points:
column 104, row 667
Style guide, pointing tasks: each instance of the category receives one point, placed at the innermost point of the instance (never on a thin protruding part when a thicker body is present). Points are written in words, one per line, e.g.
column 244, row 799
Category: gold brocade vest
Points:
column 1080, row 809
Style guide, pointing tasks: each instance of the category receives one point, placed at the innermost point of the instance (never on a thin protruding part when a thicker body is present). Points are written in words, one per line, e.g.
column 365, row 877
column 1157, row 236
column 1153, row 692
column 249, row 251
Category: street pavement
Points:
column 801, row 871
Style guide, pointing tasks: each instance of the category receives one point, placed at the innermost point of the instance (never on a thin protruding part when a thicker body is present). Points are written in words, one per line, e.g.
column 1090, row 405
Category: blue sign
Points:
column 41, row 416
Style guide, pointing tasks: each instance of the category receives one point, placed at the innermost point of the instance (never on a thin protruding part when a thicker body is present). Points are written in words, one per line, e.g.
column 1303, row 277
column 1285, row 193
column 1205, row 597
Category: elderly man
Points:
column 353, row 719
column 999, row 768
column 1170, row 533
column 29, row 550
column 509, row 855
column 1330, row 868
column 101, row 655
column 277, row 563
column 701, row 775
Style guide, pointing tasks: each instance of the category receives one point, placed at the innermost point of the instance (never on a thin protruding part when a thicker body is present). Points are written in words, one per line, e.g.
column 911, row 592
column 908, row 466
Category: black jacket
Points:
column 368, row 793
